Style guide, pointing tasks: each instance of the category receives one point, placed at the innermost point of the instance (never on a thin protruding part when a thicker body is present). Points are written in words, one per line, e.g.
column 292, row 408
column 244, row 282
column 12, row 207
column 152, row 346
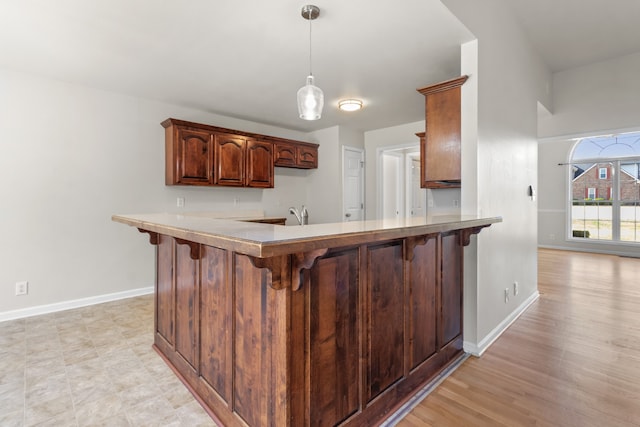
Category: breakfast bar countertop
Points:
column 268, row 240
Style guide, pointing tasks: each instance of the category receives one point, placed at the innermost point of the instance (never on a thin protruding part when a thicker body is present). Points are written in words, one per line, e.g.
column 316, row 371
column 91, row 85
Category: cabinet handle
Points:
column 348, row 215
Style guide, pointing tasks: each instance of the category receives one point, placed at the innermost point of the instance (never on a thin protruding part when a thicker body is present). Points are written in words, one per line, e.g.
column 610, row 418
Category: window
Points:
column 603, row 173
column 605, row 188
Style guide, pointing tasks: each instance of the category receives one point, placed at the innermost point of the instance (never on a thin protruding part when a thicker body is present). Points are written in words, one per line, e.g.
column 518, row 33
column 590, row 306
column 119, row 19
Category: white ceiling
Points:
column 573, row 33
column 248, row 58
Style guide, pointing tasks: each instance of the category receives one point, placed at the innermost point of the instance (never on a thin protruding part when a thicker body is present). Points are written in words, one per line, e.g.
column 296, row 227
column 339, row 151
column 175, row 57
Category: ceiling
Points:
column 247, row 59
column 573, row 33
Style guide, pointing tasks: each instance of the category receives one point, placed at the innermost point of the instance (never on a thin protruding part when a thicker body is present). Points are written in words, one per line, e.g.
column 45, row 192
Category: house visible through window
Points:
column 605, row 188
column 603, row 173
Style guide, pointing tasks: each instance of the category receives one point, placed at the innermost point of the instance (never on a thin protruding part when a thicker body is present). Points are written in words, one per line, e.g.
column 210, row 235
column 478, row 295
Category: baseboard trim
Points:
column 479, row 349
column 594, row 250
column 67, row 305
column 415, row 400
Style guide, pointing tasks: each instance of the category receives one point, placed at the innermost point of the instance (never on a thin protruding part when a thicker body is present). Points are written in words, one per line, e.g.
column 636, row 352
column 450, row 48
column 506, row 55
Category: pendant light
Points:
column 310, row 97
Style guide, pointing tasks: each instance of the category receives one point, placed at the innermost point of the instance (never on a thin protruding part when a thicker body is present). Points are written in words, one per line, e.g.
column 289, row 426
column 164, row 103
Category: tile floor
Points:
column 92, row 366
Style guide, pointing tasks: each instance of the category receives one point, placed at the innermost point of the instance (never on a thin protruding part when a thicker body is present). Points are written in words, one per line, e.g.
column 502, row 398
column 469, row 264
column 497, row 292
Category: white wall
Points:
column 590, row 100
column 72, row 157
column 510, row 79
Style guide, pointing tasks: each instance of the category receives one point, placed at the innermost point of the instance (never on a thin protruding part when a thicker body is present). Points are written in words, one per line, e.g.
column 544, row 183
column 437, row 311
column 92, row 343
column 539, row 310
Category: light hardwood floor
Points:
column 572, row 359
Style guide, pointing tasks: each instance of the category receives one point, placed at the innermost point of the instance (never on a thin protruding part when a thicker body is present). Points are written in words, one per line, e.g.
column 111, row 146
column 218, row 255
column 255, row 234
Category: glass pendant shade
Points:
column 310, row 101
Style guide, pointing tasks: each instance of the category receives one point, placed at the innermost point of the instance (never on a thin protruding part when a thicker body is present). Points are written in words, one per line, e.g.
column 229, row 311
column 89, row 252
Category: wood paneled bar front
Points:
column 315, row 325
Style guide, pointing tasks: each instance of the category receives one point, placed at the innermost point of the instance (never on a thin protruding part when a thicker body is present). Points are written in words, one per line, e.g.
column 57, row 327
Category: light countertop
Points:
column 266, row 240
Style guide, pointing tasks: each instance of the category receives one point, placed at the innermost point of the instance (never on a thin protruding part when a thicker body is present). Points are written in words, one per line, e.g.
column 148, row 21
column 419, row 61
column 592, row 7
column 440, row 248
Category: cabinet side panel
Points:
column 451, row 287
column 422, row 280
column 165, row 289
column 250, row 373
column 215, row 320
column 334, row 339
column 386, row 317
column 187, row 277
column 442, row 147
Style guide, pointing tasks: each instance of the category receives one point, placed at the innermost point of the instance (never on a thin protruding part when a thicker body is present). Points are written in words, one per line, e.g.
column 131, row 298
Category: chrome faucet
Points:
column 302, row 216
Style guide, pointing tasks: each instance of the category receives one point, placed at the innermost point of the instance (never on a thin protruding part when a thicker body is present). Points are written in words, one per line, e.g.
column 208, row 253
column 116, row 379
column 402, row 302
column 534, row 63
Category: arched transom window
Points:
column 605, row 188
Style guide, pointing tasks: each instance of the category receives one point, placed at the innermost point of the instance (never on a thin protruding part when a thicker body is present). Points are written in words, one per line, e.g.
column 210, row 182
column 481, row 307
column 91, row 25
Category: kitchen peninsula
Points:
column 316, row 325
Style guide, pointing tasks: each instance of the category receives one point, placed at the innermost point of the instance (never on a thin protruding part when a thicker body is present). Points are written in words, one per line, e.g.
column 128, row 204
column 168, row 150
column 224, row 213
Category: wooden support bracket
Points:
column 195, row 248
column 414, row 241
column 303, row 261
column 153, row 236
column 279, row 266
column 465, row 235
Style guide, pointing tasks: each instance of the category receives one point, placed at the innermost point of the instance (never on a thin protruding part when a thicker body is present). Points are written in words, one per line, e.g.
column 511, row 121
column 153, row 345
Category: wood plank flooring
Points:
column 572, row 359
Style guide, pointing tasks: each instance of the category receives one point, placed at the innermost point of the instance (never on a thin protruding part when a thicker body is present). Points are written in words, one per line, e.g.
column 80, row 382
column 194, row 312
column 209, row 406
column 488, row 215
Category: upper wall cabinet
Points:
column 296, row 155
column 440, row 144
column 198, row 154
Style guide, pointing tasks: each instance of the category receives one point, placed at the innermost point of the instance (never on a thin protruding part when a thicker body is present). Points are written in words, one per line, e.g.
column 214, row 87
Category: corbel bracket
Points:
column 303, row 261
column 465, row 235
column 278, row 266
column 413, row 241
column 153, row 236
column 194, row 247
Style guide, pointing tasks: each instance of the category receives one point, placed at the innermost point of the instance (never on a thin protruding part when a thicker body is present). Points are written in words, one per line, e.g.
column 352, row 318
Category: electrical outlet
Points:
column 236, row 200
column 180, row 202
column 456, row 203
column 506, row 295
column 515, row 288
column 22, row 288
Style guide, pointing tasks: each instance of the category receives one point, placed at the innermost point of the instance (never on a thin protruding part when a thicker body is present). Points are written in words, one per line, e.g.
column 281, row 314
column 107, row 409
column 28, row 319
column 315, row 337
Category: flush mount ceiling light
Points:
column 350, row 104
column 310, row 97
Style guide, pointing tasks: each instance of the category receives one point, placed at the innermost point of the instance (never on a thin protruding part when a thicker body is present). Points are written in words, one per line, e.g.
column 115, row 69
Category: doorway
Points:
column 399, row 192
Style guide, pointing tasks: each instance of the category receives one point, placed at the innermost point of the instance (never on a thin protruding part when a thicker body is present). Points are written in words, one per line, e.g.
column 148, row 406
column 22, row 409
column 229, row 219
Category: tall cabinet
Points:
column 440, row 143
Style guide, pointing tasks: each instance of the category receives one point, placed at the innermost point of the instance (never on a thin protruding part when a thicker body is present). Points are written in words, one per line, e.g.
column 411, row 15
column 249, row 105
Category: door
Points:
column 259, row 164
column 229, row 160
column 416, row 195
column 352, row 184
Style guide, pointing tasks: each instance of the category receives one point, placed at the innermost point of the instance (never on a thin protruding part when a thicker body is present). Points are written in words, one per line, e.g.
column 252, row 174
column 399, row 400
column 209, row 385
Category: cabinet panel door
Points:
column 187, row 309
column 423, row 276
column 307, row 157
column 334, row 339
column 215, row 320
column 194, row 159
column 284, row 154
column 165, row 290
column 259, row 164
column 442, row 141
column 229, row 160
column 451, row 291
column 385, row 314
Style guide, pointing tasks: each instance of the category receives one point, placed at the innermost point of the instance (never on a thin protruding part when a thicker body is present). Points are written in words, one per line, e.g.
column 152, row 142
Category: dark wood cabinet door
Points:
column 334, row 339
column 451, row 288
column 259, row 164
column 423, row 280
column 307, row 157
column 442, row 149
column 284, row 154
column 194, row 157
column 385, row 314
column 229, row 160
column 165, row 290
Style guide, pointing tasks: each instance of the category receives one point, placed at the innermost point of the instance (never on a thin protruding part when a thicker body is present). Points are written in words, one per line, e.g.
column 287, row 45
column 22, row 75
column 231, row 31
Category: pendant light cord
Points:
column 309, row 18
